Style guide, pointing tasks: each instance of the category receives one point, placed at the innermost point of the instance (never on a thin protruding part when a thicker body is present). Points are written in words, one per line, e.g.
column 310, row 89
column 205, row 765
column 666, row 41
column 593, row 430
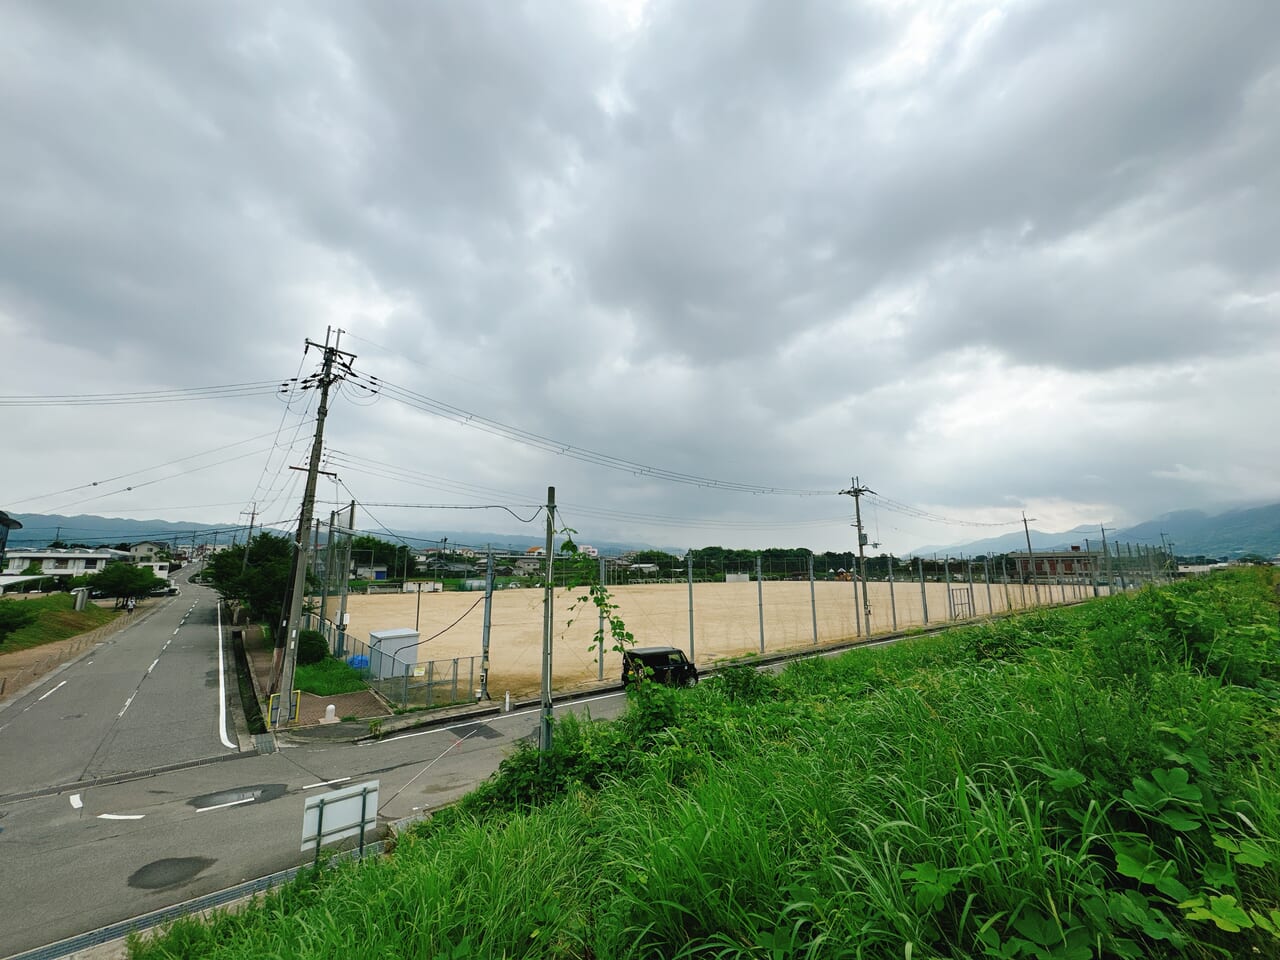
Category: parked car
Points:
column 666, row 665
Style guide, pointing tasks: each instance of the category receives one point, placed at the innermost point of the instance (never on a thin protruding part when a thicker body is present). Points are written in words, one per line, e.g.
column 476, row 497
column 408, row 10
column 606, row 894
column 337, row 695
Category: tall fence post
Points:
column 813, row 599
column 760, row 601
column 600, row 631
column 951, row 607
column 986, row 578
column 488, row 622
column 973, row 606
column 689, row 560
column 893, row 605
column 1008, row 598
column 924, row 596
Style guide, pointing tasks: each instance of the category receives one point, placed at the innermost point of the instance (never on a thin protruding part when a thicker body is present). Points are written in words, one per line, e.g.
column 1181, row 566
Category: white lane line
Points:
column 76, row 802
column 153, row 664
column 47, row 692
column 175, row 631
column 326, row 783
column 126, row 704
column 88, row 663
column 223, row 806
column 121, row 816
column 222, row 688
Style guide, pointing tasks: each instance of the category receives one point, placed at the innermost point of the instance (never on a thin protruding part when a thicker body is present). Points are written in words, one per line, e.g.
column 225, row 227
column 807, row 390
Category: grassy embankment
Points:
column 1100, row 781
column 56, row 619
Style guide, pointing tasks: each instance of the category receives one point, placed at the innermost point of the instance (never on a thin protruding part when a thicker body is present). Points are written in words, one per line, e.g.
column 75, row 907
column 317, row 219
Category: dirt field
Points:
column 726, row 622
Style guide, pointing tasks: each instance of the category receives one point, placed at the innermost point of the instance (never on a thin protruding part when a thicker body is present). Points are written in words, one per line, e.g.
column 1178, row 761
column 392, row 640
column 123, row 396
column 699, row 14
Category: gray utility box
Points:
column 392, row 653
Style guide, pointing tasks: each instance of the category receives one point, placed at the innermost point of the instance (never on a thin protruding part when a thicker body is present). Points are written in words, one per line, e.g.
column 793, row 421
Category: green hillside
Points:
column 1079, row 783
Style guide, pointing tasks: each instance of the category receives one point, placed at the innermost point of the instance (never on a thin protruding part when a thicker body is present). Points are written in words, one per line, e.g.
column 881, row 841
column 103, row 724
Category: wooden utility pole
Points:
column 1031, row 557
column 856, row 491
column 287, row 641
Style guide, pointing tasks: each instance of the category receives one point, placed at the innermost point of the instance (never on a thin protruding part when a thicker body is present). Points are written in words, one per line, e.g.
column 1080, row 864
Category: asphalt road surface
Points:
column 85, row 857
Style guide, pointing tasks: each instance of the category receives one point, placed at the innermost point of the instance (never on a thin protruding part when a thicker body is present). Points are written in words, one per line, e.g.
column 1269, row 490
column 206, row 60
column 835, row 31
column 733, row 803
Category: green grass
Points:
column 327, row 678
column 56, row 619
column 1092, row 782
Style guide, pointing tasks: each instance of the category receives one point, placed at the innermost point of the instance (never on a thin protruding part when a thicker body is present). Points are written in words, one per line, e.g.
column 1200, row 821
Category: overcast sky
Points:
column 988, row 257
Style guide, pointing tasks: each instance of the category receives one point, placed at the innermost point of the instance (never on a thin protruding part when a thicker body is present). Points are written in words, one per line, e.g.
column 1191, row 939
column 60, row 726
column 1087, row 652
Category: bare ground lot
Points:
column 727, row 621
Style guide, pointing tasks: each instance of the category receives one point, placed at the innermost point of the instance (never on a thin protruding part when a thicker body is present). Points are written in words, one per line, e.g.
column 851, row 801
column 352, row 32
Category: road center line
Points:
column 76, row 802
column 326, row 783
column 47, row 692
column 126, row 704
column 223, row 806
column 175, row 631
column 153, row 664
column 121, row 816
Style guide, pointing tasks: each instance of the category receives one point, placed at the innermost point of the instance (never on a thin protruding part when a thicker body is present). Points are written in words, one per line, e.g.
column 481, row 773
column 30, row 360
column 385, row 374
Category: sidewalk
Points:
column 363, row 705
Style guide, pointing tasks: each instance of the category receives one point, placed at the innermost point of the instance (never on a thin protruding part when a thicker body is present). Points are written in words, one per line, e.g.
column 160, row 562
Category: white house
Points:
column 62, row 563
column 147, row 551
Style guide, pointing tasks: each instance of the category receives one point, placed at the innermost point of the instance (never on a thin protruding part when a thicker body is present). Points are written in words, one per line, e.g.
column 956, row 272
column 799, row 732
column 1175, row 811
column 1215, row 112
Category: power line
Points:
column 560, row 448
column 172, row 395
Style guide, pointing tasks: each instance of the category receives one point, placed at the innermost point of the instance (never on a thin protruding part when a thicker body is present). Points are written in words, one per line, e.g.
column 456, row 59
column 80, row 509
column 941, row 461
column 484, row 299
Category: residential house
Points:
column 73, row 562
column 148, row 551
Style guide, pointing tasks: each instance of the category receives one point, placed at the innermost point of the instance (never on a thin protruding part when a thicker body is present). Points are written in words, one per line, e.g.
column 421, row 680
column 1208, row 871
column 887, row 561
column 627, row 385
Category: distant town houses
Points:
column 70, row 562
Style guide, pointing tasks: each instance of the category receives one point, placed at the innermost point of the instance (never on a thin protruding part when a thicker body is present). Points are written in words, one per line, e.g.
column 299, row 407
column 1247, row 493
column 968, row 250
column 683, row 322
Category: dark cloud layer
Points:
column 780, row 243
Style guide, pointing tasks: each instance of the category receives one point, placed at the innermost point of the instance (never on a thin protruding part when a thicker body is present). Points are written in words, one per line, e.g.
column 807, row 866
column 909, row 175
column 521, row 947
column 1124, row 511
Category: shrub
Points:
column 312, row 647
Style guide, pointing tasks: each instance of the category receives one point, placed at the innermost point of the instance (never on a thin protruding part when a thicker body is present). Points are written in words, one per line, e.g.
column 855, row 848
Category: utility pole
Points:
column 1031, row 557
column 544, row 726
column 856, row 491
column 287, row 642
column 1107, row 554
column 244, row 563
column 346, row 577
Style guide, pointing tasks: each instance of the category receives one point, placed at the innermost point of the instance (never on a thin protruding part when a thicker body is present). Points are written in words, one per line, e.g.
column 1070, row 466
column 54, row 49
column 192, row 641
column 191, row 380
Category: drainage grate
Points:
column 265, row 742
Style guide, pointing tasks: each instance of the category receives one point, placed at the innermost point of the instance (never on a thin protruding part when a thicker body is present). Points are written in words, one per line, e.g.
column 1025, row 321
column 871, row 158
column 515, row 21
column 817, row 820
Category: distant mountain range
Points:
column 1192, row 532
column 39, row 530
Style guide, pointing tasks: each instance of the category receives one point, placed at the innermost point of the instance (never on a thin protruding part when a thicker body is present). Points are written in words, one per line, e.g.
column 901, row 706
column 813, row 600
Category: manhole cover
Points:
column 260, row 793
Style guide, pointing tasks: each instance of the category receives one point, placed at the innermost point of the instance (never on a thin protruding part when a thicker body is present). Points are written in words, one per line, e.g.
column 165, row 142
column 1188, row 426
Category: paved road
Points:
column 85, row 858
column 149, row 696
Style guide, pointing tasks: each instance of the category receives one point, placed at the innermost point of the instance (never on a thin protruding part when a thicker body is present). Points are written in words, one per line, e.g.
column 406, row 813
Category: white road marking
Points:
column 175, row 631
column 153, row 664
column 326, row 783
column 223, row 806
column 47, row 692
column 126, row 704
column 76, row 802
column 121, row 816
column 222, row 688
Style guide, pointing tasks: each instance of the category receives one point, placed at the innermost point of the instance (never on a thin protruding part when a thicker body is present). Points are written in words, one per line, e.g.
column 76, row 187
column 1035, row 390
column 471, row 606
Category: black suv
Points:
column 666, row 665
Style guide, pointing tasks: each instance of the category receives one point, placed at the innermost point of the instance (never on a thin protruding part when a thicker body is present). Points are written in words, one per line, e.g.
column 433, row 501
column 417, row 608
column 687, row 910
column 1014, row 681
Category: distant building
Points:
column 148, row 551
column 7, row 523
column 62, row 563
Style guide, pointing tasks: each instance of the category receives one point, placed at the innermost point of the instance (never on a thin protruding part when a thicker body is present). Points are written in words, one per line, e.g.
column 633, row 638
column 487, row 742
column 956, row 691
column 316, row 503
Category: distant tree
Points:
column 261, row 582
column 396, row 557
column 123, row 580
column 13, row 616
column 57, row 545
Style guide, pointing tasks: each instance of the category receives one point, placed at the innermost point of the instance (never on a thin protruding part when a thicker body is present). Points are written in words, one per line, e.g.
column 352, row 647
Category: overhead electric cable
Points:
column 172, row 395
column 528, row 438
